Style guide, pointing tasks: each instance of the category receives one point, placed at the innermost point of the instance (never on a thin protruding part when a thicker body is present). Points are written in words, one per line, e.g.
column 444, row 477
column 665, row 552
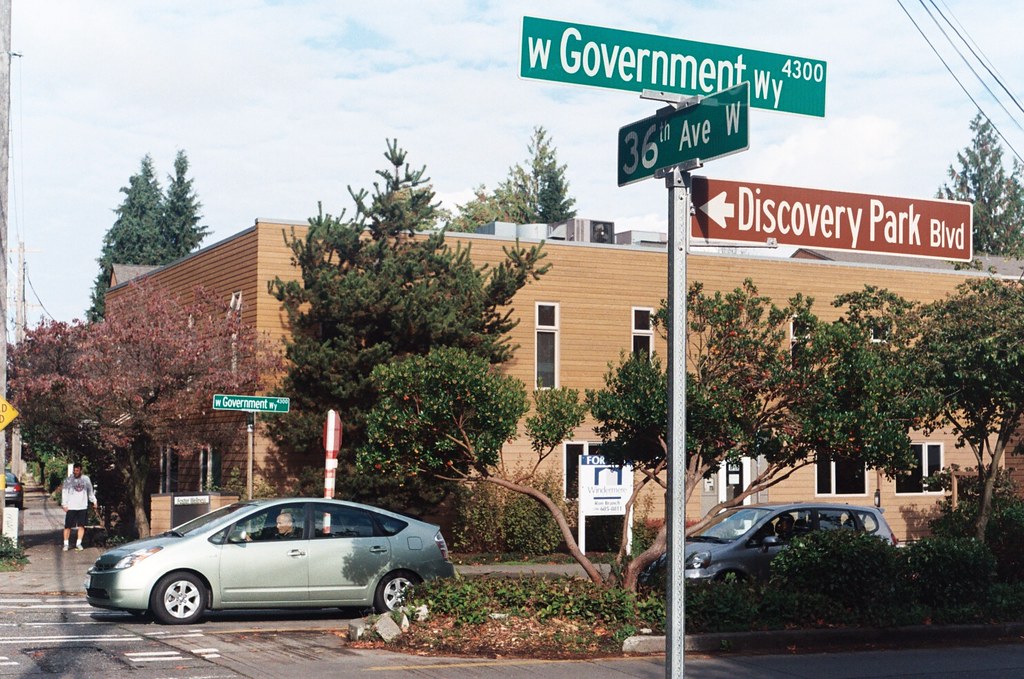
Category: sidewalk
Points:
column 50, row 570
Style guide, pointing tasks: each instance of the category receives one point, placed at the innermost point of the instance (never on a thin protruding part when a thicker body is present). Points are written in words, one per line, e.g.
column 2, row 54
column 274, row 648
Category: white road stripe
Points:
column 134, row 654
column 62, row 638
column 26, row 606
column 7, row 664
column 168, row 657
column 204, row 650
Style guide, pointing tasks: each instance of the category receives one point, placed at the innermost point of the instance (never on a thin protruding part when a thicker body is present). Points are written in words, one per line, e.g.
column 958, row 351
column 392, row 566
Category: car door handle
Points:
column 377, row 549
column 296, row 552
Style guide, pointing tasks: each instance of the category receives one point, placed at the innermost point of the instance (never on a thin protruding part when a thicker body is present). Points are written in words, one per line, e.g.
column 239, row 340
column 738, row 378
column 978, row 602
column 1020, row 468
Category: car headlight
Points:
column 135, row 557
column 698, row 560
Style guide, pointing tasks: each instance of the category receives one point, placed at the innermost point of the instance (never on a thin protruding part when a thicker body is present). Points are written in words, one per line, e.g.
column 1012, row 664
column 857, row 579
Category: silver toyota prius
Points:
column 283, row 553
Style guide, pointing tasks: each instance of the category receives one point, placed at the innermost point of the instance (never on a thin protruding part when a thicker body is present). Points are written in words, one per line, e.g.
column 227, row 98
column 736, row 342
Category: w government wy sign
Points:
column 603, row 57
column 746, row 212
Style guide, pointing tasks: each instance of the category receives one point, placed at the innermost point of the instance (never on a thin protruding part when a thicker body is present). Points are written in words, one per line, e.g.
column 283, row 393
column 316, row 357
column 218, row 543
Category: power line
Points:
column 958, row 81
column 978, row 54
column 36, row 295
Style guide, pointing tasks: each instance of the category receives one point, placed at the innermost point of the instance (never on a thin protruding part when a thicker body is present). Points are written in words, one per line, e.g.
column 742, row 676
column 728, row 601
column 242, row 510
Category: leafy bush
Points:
column 11, row 554
column 473, row 601
column 721, row 606
column 494, row 519
column 1004, row 536
column 855, row 569
column 933, row 571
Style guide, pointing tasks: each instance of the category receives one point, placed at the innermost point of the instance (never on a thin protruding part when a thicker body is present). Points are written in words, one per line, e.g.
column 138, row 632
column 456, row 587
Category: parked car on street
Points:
column 283, row 553
column 743, row 540
column 14, row 492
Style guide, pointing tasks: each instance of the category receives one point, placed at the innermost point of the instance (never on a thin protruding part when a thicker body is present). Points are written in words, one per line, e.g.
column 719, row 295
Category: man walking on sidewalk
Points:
column 75, row 497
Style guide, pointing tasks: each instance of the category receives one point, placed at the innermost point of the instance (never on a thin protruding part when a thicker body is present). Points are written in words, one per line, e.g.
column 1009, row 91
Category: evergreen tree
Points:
column 373, row 291
column 180, row 233
column 151, row 228
column 998, row 197
column 537, row 193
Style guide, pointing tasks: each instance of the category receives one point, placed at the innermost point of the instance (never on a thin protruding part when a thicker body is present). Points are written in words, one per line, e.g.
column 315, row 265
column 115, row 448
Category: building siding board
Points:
column 595, row 287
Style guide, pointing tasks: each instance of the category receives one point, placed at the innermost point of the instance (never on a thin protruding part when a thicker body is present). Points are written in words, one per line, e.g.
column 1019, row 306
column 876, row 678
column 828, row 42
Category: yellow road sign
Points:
column 7, row 413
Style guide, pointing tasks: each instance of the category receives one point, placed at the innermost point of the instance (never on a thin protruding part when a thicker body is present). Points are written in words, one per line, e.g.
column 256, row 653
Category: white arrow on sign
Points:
column 718, row 209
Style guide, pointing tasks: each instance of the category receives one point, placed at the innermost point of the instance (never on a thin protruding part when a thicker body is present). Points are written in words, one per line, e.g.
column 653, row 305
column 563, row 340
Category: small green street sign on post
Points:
column 255, row 404
column 579, row 54
column 715, row 127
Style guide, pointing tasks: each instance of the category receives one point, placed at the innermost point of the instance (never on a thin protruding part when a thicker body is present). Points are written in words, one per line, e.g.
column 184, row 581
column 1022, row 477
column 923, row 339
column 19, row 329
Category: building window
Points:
column 840, row 477
column 209, row 469
column 573, row 452
column 928, row 462
column 547, row 346
column 643, row 334
column 799, row 334
column 169, row 471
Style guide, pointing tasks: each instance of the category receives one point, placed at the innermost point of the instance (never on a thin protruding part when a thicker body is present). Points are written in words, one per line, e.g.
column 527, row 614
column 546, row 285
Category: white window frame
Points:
column 832, row 473
column 638, row 332
column 922, row 461
column 589, row 448
column 546, row 329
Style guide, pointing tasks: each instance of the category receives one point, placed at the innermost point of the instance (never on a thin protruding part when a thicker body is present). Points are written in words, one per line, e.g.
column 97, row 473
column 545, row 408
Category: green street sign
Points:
column 255, row 404
column 715, row 127
column 579, row 54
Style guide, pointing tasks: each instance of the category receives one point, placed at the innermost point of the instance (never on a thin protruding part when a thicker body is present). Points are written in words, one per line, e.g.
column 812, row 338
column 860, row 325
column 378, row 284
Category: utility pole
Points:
column 19, row 336
column 5, row 149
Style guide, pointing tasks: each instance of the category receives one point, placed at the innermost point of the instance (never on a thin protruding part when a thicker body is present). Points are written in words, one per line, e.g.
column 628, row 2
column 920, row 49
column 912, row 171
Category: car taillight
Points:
column 442, row 545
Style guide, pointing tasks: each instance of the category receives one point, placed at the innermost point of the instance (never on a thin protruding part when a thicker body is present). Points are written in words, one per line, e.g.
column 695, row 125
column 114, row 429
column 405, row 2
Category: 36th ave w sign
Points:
column 834, row 220
column 715, row 127
column 623, row 60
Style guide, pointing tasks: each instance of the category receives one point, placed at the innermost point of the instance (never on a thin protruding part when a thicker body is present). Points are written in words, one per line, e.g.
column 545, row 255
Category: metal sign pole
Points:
column 677, row 182
column 251, row 427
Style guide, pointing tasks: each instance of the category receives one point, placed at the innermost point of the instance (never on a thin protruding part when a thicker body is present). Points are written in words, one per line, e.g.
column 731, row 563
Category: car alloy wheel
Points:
column 178, row 599
column 391, row 588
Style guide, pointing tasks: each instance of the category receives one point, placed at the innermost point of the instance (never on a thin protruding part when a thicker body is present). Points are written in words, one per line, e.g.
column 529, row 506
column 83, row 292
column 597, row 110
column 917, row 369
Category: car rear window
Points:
column 869, row 521
column 390, row 524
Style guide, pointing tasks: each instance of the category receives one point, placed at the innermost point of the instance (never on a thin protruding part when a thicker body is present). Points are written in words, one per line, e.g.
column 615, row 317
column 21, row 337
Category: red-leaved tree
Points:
column 121, row 390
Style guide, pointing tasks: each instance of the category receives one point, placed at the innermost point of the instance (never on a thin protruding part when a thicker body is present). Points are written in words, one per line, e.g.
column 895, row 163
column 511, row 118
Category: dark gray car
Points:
column 14, row 492
column 743, row 540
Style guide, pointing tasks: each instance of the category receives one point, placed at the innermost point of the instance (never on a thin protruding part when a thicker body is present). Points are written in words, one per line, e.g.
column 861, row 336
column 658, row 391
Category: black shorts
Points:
column 75, row 518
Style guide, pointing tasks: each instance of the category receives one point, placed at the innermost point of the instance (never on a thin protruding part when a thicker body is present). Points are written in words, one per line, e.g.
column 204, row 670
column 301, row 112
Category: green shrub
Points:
column 721, row 606
column 473, row 601
column 1004, row 535
column 490, row 518
column 941, row 572
column 11, row 554
column 855, row 569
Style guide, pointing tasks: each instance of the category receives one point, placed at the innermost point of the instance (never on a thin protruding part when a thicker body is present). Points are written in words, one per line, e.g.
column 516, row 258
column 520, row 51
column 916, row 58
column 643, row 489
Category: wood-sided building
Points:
column 594, row 305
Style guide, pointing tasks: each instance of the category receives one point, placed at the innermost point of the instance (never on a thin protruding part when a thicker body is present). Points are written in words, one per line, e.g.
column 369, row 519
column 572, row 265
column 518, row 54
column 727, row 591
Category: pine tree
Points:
column 998, row 197
column 374, row 290
column 537, row 193
column 151, row 228
column 179, row 228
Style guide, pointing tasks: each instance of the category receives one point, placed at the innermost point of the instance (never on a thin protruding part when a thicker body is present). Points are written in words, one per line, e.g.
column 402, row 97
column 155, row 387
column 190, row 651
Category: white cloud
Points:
column 280, row 104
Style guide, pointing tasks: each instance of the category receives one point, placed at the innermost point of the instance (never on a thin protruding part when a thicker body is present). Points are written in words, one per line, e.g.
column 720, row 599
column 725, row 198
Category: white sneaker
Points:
column 79, row 548
column 65, row 548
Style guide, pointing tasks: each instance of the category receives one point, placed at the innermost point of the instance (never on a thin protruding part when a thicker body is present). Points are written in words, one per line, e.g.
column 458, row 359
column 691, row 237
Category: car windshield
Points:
column 216, row 517
column 731, row 524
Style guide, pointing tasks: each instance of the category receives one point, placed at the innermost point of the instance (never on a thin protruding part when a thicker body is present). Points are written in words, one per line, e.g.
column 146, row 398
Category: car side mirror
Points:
column 238, row 537
column 770, row 541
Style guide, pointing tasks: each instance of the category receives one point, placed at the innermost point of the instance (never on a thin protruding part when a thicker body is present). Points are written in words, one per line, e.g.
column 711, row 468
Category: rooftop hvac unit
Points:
column 582, row 231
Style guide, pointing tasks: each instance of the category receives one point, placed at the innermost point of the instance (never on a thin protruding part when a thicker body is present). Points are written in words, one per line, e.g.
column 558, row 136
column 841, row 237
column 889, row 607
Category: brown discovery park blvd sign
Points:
column 748, row 212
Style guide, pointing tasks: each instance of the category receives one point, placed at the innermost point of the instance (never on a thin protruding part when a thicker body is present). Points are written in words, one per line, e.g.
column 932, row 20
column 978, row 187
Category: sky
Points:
column 281, row 104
